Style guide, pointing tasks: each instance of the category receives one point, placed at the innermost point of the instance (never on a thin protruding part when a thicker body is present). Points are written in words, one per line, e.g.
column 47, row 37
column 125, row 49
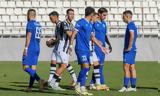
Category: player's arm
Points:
column 131, row 39
column 108, row 42
column 93, row 38
column 28, row 38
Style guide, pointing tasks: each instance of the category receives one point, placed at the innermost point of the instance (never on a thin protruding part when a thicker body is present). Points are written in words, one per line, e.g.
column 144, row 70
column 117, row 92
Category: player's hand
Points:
column 25, row 52
column 110, row 49
column 104, row 50
column 128, row 49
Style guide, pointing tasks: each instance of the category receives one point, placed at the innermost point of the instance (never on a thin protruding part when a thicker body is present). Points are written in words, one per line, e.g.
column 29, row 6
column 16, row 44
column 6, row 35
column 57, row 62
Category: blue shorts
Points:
column 129, row 57
column 31, row 58
column 100, row 55
column 83, row 57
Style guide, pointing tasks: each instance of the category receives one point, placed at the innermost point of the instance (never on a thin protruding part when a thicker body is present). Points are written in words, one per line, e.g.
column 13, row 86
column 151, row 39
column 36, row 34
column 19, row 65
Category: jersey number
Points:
column 38, row 32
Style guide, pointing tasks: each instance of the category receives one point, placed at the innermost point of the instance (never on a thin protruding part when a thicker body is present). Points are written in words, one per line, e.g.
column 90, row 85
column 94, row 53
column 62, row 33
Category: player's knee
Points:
column 25, row 67
column 53, row 62
column 126, row 67
column 96, row 63
column 63, row 66
column 85, row 65
column 132, row 68
column 34, row 67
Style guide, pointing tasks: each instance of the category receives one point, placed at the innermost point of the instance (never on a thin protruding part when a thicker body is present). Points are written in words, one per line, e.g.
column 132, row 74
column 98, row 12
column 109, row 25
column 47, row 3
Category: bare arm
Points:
column 28, row 38
column 93, row 38
column 107, row 41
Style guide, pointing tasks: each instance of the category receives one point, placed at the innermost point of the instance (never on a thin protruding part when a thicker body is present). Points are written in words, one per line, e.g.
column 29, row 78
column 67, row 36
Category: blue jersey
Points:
column 100, row 31
column 130, row 27
column 83, row 36
column 35, row 28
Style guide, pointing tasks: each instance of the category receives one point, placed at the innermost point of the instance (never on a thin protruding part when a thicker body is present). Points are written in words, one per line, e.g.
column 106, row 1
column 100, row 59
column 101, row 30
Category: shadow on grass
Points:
column 153, row 88
column 37, row 91
column 19, row 82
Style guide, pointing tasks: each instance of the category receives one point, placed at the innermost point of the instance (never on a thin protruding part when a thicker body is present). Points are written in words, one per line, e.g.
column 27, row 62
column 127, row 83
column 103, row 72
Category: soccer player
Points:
column 129, row 53
column 60, row 54
column 100, row 28
column 95, row 82
column 32, row 49
column 83, row 37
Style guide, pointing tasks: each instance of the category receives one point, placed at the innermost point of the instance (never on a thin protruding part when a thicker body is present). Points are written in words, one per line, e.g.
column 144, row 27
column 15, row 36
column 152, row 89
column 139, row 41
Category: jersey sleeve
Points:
column 29, row 27
column 78, row 26
column 131, row 27
column 66, row 27
column 106, row 28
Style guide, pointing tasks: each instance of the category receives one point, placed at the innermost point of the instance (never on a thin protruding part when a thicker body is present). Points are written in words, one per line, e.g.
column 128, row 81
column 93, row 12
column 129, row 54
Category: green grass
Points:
column 13, row 80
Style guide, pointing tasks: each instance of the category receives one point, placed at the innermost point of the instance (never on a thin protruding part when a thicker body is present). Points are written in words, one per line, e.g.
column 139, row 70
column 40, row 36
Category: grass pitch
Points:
column 13, row 80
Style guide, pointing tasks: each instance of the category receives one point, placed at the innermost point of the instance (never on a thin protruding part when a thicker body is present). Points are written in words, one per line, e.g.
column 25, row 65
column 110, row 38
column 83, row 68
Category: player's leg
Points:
column 83, row 60
column 61, row 57
column 102, row 79
column 133, row 78
column 72, row 73
column 52, row 66
column 126, row 69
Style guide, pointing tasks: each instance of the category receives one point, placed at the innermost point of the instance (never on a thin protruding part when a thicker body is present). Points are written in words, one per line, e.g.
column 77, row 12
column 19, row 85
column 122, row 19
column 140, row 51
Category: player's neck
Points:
column 68, row 21
column 129, row 21
column 88, row 18
column 57, row 22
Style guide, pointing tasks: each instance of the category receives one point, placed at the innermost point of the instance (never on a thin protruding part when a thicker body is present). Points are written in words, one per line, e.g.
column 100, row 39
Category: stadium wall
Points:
column 11, row 49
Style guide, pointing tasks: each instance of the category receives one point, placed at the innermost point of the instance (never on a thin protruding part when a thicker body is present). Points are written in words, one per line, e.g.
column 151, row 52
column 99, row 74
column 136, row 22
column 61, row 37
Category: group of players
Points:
column 92, row 43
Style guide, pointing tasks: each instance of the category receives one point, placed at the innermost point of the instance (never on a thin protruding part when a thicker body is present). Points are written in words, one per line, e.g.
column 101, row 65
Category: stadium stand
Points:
column 13, row 14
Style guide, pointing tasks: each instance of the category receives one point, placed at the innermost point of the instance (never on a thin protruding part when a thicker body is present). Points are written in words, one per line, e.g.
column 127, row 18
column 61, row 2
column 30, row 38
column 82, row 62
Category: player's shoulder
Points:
column 131, row 24
column 81, row 20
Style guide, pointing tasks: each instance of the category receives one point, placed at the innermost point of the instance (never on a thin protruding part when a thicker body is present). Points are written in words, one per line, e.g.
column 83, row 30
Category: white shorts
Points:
column 93, row 58
column 60, row 57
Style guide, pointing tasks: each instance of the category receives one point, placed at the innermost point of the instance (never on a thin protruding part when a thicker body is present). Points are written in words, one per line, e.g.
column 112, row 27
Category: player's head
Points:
column 89, row 12
column 95, row 17
column 31, row 14
column 102, row 12
column 54, row 16
column 70, row 14
column 127, row 16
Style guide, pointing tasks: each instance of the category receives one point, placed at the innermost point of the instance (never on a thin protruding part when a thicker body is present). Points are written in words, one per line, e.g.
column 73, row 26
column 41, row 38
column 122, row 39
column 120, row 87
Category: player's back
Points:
column 83, row 36
column 35, row 28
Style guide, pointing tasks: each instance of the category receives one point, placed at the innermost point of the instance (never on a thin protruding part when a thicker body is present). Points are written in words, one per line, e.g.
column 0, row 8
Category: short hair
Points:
column 95, row 13
column 128, row 12
column 70, row 9
column 54, row 13
column 89, row 11
column 31, row 10
column 102, row 10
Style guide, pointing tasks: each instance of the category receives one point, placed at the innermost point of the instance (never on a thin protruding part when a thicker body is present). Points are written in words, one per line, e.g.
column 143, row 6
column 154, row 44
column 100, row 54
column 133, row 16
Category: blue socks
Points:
column 126, row 81
column 82, row 76
column 32, row 79
column 101, row 75
column 32, row 73
column 133, row 82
